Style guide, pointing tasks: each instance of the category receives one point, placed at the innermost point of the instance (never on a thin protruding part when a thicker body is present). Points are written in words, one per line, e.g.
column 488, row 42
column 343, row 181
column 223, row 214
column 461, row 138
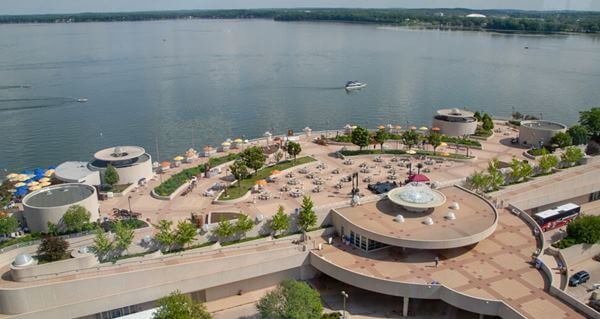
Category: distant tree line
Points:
column 500, row 20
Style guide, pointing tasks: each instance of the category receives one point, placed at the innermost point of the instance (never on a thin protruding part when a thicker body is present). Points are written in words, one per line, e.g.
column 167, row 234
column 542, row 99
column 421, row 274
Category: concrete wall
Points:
column 112, row 288
column 413, row 290
column 38, row 217
column 533, row 135
column 455, row 128
column 132, row 174
column 579, row 200
column 578, row 253
column 49, row 270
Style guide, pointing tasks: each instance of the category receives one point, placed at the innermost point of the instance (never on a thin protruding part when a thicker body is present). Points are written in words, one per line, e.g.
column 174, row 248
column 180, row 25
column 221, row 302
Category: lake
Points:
column 195, row 82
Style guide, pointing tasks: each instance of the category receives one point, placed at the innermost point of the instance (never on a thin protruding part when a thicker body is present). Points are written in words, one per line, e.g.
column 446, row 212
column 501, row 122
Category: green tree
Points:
column 239, row 171
column 291, row 300
column 52, row 228
column 123, row 236
column 75, row 218
column 8, row 224
column 547, row 162
column 224, row 230
column 477, row 115
column 526, row 170
column 278, row 156
column 496, row 179
column 111, row 177
column 165, row 235
column 307, row 217
column 410, row 138
column 243, row 225
column 179, row 306
column 280, row 222
column 572, row 155
column 487, row 124
column 102, row 246
column 435, row 140
column 579, row 134
column 585, row 229
column 562, row 139
column 293, row 149
column 360, row 137
column 380, row 136
column 516, row 168
column 478, row 181
column 591, row 121
column 52, row 248
column 185, row 233
column 253, row 157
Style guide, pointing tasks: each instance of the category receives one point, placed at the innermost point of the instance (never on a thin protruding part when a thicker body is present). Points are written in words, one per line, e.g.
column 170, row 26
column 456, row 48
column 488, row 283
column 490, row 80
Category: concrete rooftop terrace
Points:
column 496, row 268
column 474, row 217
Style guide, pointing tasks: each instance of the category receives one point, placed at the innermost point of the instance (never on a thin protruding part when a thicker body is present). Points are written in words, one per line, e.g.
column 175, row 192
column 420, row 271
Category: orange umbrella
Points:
column 261, row 182
column 413, row 128
column 165, row 164
column 275, row 172
column 436, row 129
column 381, row 127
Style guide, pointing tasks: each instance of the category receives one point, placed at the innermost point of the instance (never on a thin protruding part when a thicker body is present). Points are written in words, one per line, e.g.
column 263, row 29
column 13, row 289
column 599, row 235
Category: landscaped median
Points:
column 168, row 187
column 453, row 156
column 237, row 191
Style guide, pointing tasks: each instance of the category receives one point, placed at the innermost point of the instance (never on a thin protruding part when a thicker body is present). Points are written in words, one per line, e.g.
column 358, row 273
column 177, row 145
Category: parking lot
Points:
column 584, row 291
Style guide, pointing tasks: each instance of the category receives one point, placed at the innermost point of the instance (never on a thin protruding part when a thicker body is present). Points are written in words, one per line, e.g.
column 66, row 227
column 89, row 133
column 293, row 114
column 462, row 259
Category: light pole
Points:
column 344, row 314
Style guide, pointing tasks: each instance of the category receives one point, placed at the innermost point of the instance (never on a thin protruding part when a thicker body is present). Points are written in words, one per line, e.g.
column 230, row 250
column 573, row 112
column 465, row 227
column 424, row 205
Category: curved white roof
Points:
column 475, row 15
column 119, row 153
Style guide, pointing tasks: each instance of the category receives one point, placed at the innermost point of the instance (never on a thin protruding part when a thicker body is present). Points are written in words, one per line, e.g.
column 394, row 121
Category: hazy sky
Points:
column 69, row 6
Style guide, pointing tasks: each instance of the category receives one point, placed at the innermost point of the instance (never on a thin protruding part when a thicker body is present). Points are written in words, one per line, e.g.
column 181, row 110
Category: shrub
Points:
column 585, row 229
column 52, row 248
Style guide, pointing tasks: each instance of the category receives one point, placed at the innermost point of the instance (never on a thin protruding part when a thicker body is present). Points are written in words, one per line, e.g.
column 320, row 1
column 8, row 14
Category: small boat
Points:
column 354, row 85
column 82, row 100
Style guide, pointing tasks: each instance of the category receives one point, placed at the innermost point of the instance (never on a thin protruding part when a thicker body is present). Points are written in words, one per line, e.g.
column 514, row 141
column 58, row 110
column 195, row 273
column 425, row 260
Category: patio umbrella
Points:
column 12, row 191
column 423, row 128
column 381, row 127
column 49, row 173
column 275, row 172
column 238, row 140
column 445, row 154
column 165, row 164
column 261, row 182
column 178, row 158
column 413, row 128
column 20, row 184
column 22, row 178
column 444, row 144
column 45, row 184
column 35, row 188
column 44, row 180
column 12, row 175
column 411, row 152
column 397, row 127
column 21, row 191
column 33, row 183
column 436, row 129
column 225, row 143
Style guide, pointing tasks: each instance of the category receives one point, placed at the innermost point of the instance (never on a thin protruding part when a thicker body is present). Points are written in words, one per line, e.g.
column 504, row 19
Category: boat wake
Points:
column 10, row 87
column 21, row 104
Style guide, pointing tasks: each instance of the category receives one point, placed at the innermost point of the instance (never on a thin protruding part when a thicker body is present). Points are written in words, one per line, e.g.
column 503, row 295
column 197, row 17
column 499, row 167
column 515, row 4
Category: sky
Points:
column 73, row 6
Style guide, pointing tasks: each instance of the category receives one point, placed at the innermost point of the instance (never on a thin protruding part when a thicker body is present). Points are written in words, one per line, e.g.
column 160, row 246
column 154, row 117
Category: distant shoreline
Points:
column 505, row 21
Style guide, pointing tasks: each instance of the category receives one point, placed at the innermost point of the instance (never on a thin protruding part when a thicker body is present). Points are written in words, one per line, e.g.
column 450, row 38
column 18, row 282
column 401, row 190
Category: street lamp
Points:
column 344, row 314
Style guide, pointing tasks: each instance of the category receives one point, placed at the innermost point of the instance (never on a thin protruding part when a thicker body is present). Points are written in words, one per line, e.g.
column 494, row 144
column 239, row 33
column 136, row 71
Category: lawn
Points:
column 237, row 191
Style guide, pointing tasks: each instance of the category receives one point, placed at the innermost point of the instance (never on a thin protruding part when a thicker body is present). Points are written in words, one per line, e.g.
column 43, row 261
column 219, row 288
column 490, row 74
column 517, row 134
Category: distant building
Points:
column 77, row 172
column 475, row 15
column 131, row 162
column 455, row 122
column 539, row 132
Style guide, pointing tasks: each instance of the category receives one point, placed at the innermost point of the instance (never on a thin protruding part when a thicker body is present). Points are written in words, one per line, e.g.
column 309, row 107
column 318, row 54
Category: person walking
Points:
column 437, row 261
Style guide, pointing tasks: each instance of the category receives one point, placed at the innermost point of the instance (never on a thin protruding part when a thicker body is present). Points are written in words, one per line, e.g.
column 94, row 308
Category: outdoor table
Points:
column 338, row 186
column 310, row 176
column 335, row 171
column 367, row 179
column 285, row 188
column 392, row 177
column 290, row 174
column 303, row 171
column 292, row 181
column 365, row 170
column 377, row 159
column 394, row 159
column 387, row 166
column 348, row 162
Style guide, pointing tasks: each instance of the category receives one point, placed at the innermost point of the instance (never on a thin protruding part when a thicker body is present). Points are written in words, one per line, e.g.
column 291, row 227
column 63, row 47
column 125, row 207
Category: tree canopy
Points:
column 591, row 121
column 111, row 176
column 8, row 224
column 579, row 134
column 75, row 218
column 280, row 221
column 307, row 217
column 52, row 248
column 585, row 229
column 185, row 233
column 293, row 149
column 123, row 235
column 435, row 140
column 224, row 229
column 360, row 137
column 102, row 246
column 179, row 306
column 291, row 300
column 562, row 139
column 239, row 171
column 572, row 155
column 410, row 138
column 165, row 236
column 243, row 225
column 253, row 157
column 380, row 136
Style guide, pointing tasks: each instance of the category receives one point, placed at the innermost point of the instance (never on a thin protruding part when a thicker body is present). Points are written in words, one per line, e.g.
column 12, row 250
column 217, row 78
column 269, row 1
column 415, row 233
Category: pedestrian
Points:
column 437, row 261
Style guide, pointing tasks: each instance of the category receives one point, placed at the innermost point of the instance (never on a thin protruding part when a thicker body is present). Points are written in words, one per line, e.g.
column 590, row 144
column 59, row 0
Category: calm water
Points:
column 197, row 82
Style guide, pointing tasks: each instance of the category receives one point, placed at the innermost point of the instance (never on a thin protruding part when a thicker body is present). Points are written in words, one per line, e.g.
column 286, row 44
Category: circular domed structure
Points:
column 417, row 198
column 455, row 122
column 131, row 162
column 23, row 260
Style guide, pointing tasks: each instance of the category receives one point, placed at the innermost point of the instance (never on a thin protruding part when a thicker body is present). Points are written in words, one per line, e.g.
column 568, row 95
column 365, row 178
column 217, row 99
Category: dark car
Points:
column 579, row 278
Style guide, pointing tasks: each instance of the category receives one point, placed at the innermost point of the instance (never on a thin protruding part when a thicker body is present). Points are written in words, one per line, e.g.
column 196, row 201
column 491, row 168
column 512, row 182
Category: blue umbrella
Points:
column 21, row 191
column 51, row 167
column 39, row 171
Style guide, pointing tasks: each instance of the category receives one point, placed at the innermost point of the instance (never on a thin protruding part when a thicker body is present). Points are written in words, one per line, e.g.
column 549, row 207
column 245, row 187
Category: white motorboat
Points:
column 354, row 85
column 82, row 100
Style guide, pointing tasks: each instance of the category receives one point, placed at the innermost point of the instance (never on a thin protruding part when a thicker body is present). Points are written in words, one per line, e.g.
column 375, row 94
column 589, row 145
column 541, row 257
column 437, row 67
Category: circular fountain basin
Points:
column 416, row 198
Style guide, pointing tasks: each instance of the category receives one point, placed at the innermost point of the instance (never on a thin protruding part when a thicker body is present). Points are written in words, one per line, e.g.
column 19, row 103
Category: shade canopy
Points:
column 178, row 158
column 420, row 178
column 411, row 152
column 225, row 143
column 413, row 128
column 443, row 144
column 261, row 182
column 423, row 128
column 165, row 164
column 238, row 140
column 437, row 129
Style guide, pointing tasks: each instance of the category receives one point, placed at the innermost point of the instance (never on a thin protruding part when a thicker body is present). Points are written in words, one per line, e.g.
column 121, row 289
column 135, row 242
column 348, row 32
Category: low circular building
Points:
column 51, row 203
column 131, row 162
column 539, row 132
column 416, row 198
column 455, row 122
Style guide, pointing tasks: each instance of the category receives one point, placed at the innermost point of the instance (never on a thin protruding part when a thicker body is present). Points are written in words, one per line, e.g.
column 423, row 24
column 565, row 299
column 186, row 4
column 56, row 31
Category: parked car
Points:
column 579, row 278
